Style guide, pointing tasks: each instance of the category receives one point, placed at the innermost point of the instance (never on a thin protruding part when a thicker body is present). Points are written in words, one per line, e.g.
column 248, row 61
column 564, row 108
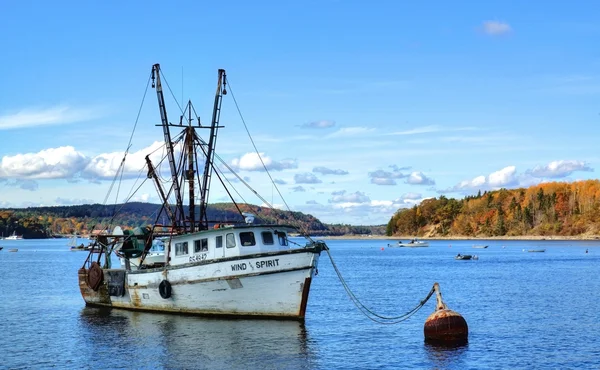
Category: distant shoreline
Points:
column 403, row 238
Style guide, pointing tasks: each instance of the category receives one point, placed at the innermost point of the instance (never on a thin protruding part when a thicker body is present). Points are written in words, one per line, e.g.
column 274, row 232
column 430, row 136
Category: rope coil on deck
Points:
column 370, row 314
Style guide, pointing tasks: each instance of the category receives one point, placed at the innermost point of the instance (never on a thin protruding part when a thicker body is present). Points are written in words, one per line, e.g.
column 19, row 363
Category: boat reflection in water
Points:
column 131, row 339
column 446, row 356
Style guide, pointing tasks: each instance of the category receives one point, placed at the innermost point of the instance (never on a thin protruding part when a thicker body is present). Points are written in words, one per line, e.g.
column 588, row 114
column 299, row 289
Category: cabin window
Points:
column 181, row 248
column 230, row 240
column 247, row 239
column 282, row 239
column 219, row 241
column 200, row 245
column 267, row 237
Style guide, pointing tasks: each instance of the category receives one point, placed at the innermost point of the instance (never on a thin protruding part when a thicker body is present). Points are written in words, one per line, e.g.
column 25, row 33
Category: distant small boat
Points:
column 413, row 244
column 463, row 257
column 536, row 250
column 14, row 236
column 13, row 250
column 480, row 246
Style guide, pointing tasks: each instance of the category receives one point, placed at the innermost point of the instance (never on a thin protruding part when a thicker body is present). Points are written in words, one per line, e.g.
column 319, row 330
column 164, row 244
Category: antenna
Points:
column 181, row 84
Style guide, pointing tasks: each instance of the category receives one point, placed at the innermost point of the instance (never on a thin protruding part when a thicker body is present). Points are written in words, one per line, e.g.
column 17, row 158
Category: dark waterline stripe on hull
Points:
column 203, row 314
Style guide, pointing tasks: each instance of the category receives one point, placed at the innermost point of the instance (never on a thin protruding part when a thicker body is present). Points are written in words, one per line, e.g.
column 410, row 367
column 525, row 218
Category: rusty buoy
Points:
column 445, row 326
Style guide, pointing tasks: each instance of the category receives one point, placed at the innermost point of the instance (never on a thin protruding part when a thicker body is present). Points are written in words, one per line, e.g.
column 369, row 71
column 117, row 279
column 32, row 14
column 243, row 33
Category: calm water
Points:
column 524, row 310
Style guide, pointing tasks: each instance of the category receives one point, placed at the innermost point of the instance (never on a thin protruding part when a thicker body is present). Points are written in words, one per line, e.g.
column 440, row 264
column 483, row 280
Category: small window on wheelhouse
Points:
column 219, row 242
column 200, row 245
column 230, row 240
column 282, row 239
column 181, row 248
column 247, row 239
column 267, row 237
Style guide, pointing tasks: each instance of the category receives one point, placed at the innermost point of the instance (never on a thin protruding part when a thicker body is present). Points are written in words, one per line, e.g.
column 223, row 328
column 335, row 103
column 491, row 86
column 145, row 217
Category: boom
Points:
column 170, row 149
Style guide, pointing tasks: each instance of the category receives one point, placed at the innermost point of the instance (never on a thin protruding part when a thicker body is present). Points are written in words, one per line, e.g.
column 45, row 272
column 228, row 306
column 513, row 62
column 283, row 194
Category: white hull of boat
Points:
column 413, row 245
column 14, row 237
column 271, row 285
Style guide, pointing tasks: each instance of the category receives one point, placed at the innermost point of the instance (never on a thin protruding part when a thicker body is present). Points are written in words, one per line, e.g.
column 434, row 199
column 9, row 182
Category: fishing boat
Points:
column 536, row 250
column 463, row 257
column 480, row 246
column 238, row 268
column 414, row 243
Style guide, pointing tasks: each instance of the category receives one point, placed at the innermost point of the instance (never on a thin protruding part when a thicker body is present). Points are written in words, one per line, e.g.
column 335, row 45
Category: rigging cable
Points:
column 120, row 170
column 301, row 228
column 243, row 182
column 171, row 91
column 254, row 146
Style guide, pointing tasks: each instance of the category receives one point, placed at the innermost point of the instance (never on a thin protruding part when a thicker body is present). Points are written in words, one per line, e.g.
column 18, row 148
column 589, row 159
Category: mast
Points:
column 169, row 144
column 221, row 83
column 190, row 172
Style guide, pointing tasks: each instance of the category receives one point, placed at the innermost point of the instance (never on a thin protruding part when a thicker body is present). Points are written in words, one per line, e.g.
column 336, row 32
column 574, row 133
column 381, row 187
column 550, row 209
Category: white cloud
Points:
column 72, row 201
column 144, row 197
column 381, row 177
column 343, row 197
column 504, row 178
column 496, row 28
column 319, row 124
column 411, row 196
column 252, row 162
column 350, row 131
column 298, row 188
column 558, row 169
column 104, row 166
column 329, row 171
column 48, row 116
column 418, row 178
column 53, row 163
column 418, row 130
column 26, row 184
column 306, row 178
column 67, row 163
column 356, row 208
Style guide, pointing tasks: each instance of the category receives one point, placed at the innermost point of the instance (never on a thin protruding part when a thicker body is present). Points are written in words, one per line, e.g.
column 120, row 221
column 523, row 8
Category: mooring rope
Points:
column 370, row 314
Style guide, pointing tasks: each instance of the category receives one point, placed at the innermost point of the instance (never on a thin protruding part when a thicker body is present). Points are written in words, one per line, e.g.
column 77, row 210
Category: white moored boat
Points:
column 414, row 243
column 14, row 236
column 242, row 269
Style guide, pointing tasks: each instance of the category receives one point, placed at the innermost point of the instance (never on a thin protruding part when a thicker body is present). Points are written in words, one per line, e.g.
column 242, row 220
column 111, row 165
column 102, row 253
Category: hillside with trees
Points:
column 549, row 209
column 48, row 222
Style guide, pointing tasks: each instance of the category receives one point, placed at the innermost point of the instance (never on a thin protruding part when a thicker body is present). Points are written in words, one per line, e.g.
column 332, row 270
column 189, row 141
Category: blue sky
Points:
column 359, row 108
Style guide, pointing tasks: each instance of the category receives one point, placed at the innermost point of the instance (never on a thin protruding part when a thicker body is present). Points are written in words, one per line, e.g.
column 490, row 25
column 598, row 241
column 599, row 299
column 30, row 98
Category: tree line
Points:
column 548, row 209
column 49, row 222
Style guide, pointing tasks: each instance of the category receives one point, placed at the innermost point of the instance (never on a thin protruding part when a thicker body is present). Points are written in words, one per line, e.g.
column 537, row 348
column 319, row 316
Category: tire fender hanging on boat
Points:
column 164, row 288
column 95, row 276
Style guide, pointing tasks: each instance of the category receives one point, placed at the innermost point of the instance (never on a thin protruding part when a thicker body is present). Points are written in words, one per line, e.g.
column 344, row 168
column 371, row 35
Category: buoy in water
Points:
column 445, row 326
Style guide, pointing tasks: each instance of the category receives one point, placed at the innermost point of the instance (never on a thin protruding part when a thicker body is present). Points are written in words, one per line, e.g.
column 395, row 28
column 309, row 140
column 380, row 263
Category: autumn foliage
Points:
column 549, row 209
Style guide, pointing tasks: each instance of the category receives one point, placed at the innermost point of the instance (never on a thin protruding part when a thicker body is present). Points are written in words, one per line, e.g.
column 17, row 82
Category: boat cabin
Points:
column 231, row 241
